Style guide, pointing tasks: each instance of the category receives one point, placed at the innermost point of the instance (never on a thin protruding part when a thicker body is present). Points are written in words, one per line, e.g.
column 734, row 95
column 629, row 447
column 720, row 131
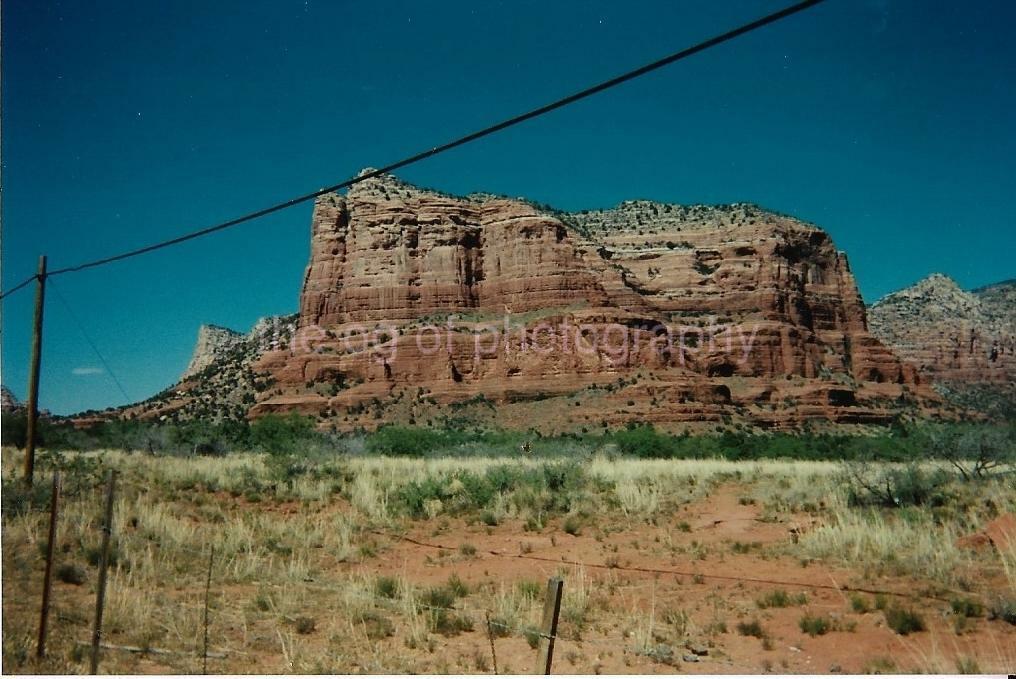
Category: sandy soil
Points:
column 662, row 598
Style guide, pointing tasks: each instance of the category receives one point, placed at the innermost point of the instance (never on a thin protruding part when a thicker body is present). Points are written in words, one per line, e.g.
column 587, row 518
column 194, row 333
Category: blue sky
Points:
column 887, row 123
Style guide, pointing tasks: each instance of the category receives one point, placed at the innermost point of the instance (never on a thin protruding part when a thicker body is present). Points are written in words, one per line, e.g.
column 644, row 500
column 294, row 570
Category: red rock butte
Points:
column 646, row 312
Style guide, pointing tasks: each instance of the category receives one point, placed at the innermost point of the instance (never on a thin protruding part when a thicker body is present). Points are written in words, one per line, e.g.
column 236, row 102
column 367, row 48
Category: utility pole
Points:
column 33, row 376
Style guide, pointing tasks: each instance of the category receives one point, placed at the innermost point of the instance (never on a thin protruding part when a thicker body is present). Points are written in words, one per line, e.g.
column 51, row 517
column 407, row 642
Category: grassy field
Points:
column 709, row 565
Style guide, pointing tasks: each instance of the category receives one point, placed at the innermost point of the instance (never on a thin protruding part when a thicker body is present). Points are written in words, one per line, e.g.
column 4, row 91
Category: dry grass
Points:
column 917, row 546
column 306, row 551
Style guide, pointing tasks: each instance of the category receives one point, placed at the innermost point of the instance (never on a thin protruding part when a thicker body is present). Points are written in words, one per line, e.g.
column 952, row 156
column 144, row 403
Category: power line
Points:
column 479, row 134
column 19, row 286
column 88, row 339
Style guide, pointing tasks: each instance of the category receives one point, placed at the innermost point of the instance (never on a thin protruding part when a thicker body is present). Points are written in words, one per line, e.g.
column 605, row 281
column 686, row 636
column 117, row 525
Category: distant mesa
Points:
column 423, row 308
column 689, row 316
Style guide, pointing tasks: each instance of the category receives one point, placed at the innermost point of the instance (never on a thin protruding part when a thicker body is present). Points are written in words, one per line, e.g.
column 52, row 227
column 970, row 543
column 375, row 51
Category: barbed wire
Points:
column 436, row 150
column 680, row 573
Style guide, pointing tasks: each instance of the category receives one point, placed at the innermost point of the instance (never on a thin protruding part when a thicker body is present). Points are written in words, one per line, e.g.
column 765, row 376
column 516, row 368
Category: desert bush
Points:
column 386, row 587
column 967, row 608
column 305, row 625
column 413, row 442
column 548, row 487
column 1003, row 608
column 438, row 597
column 903, row 620
column 780, row 599
column 71, row 573
column 814, row 625
column 910, row 486
column 644, row 442
column 375, row 625
column 500, row 627
column 456, row 586
column 572, row 525
column 532, row 635
column 751, row 629
column 858, row 603
column 974, row 451
column 280, row 435
column 19, row 499
column 449, row 623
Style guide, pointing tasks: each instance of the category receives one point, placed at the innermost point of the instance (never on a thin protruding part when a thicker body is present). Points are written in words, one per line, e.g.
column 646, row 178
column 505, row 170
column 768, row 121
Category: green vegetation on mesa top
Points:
column 294, row 434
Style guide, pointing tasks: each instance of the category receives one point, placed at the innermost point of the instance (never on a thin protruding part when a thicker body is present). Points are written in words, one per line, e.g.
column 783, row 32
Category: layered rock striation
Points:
column 418, row 306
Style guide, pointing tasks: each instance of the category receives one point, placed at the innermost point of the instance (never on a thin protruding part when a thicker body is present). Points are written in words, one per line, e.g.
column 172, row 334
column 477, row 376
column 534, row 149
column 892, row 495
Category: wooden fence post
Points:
column 208, row 587
column 47, row 580
column 490, row 638
column 100, row 594
column 548, row 630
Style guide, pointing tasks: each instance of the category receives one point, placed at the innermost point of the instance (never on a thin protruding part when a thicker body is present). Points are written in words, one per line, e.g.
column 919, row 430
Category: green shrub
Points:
column 858, row 603
column 449, row 623
column 815, row 625
column 529, row 588
column 499, row 627
column 572, row 525
column 552, row 486
column 72, row 574
column 644, row 442
column 751, row 629
column 907, row 487
column 376, row 625
column 533, row 636
column 1003, row 608
column 282, row 434
column 438, row 597
column 386, row 587
column 18, row 499
column 967, row 608
column 456, row 586
column 779, row 598
column 903, row 620
column 406, row 441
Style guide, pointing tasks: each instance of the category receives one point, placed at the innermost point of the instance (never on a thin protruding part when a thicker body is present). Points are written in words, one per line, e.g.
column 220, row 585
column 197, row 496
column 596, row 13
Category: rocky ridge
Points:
column 9, row 403
column 220, row 382
column 965, row 342
column 214, row 342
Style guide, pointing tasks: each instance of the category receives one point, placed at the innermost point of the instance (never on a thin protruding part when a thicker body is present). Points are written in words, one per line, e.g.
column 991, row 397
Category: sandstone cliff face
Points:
column 213, row 342
column 964, row 342
column 416, row 305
